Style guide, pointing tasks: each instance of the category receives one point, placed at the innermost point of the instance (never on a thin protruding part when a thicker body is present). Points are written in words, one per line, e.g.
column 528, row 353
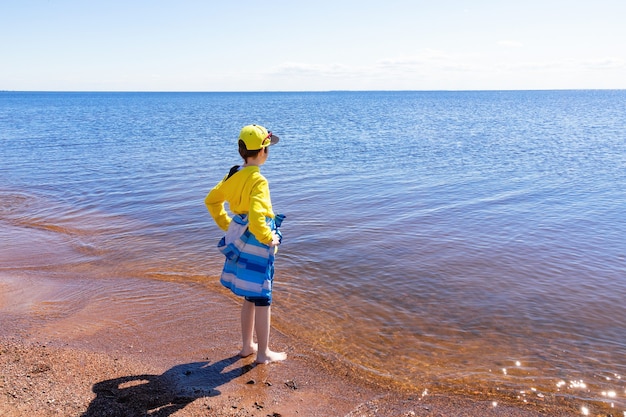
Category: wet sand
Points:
column 169, row 349
column 81, row 341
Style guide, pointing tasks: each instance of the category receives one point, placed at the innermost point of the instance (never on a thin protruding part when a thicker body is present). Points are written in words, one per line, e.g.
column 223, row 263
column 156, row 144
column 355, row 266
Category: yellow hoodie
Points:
column 246, row 192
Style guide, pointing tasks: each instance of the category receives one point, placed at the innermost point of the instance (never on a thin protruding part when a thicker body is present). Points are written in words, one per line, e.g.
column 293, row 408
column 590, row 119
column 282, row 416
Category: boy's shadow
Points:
column 161, row 395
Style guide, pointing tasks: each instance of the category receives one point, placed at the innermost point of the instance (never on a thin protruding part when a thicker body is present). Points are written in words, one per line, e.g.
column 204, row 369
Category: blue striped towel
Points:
column 249, row 266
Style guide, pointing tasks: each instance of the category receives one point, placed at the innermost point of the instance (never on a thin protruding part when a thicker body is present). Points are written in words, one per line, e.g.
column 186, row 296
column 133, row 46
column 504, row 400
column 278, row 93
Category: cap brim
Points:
column 274, row 140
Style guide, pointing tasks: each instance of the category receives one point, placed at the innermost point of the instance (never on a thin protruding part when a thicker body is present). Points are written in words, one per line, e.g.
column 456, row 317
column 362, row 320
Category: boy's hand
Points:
column 275, row 239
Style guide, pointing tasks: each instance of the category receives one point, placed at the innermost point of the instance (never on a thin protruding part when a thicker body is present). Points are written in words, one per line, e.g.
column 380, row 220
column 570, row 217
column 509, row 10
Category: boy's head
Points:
column 253, row 138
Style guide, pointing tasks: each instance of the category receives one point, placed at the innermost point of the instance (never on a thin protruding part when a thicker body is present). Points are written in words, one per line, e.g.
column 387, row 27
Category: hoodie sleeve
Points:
column 214, row 202
column 260, row 207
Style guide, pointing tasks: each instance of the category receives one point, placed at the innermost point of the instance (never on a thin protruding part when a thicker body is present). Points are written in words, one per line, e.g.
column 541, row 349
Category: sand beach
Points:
column 64, row 361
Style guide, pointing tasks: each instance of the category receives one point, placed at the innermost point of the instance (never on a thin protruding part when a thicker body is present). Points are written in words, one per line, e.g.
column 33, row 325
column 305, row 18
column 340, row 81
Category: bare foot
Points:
column 248, row 350
column 270, row 356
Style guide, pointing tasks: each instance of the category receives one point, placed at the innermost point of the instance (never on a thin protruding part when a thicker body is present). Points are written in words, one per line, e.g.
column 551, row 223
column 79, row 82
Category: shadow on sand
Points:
column 162, row 395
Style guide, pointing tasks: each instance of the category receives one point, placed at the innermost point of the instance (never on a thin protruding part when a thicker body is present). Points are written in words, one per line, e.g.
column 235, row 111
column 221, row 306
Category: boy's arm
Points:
column 260, row 207
column 214, row 202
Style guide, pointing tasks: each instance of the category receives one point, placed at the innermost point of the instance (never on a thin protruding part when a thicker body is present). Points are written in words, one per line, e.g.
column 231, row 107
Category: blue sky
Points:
column 291, row 45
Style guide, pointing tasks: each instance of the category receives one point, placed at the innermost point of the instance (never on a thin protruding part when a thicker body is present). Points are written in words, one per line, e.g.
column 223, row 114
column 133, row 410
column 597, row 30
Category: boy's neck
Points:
column 256, row 161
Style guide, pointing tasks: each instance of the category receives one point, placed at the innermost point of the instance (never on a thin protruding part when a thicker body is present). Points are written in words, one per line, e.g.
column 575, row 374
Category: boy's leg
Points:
column 247, row 329
column 263, row 316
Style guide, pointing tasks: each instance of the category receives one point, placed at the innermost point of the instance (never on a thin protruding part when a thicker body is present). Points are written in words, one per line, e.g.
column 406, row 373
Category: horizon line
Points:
column 308, row 91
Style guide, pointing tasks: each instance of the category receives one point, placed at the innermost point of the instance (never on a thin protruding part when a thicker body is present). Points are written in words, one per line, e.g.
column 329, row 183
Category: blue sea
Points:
column 453, row 241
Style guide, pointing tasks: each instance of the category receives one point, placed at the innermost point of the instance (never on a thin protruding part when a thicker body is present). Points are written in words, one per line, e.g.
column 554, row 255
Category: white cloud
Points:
column 605, row 64
column 597, row 65
column 510, row 44
column 301, row 69
column 429, row 61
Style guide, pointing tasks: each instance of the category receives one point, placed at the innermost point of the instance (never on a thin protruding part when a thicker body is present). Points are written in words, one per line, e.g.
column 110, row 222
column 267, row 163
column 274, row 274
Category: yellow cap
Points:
column 257, row 137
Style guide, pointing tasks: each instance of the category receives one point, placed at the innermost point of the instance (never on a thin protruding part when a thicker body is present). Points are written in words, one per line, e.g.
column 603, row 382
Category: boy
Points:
column 251, row 239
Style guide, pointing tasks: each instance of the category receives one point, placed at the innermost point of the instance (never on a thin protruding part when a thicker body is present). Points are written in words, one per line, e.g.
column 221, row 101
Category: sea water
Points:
column 462, row 241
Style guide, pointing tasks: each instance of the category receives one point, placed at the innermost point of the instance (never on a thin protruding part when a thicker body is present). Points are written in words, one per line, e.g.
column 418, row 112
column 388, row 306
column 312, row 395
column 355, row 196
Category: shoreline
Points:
column 179, row 360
